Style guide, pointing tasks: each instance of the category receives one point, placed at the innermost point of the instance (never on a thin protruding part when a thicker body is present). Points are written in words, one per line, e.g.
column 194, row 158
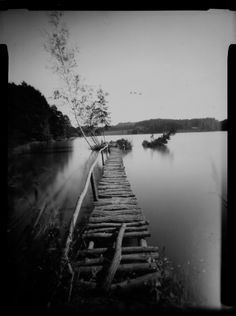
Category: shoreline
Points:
column 27, row 147
column 180, row 131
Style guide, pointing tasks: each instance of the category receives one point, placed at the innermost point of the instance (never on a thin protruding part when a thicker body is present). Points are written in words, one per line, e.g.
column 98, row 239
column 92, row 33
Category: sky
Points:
column 176, row 61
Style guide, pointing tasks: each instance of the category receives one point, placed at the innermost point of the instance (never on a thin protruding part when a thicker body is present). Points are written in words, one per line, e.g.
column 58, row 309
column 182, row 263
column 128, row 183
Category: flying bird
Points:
column 135, row 92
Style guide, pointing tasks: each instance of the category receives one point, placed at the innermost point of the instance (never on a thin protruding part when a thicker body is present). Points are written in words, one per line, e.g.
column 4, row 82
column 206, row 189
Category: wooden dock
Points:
column 116, row 254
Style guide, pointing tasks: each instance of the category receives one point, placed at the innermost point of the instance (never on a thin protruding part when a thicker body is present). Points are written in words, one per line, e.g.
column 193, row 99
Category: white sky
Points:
column 177, row 60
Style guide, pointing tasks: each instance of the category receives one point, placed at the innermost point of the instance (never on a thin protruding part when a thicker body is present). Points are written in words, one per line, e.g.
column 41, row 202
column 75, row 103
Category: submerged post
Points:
column 94, row 188
column 91, row 244
column 143, row 242
column 102, row 158
column 107, row 151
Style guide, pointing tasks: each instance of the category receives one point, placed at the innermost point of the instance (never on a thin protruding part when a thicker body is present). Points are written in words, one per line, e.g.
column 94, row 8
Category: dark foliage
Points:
column 30, row 118
column 160, row 141
column 124, row 144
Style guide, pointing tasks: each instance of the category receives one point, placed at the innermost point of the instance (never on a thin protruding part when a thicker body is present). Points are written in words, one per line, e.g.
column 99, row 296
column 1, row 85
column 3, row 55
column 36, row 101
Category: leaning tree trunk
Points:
column 94, row 138
column 81, row 129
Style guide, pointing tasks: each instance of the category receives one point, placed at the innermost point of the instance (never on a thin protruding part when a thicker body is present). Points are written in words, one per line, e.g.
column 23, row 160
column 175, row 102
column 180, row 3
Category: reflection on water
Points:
column 43, row 192
column 179, row 190
column 44, row 187
column 180, row 193
column 160, row 152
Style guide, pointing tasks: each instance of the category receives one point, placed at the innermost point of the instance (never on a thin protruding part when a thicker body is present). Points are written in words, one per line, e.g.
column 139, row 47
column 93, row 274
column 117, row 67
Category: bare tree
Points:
column 102, row 115
column 64, row 64
column 96, row 113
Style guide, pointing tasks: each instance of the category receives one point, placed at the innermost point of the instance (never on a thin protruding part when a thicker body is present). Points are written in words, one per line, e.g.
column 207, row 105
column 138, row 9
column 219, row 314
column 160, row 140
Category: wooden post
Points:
column 91, row 244
column 102, row 159
column 94, row 188
column 143, row 242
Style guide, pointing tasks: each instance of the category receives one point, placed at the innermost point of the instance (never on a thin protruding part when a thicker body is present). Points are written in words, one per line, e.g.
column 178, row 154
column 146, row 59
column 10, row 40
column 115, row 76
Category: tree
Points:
column 28, row 113
column 31, row 118
column 102, row 116
column 96, row 113
column 64, row 64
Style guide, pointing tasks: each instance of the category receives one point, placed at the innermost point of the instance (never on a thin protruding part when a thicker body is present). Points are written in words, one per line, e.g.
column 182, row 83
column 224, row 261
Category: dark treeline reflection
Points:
column 31, row 192
column 43, row 189
column 28, row 177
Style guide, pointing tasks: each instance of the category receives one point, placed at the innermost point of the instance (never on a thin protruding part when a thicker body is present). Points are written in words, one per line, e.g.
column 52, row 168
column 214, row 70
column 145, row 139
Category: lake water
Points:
column 48, row 184
column 179, row 190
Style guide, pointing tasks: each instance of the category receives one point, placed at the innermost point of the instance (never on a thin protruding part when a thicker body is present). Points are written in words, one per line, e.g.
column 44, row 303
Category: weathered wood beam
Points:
column 143, row 242
column 94, row 188
column 116, row 212
column 115, row 201
column 97, row 225
column 140, row 257
column 108, row 235
column 115, row 194
column 111, row 187
column 114, row 190
column 114, row 180
column 128, row 267
column 136, row 257
column 116, row 208
column 125, row 250
column 111, row 271
column 117, row 219
column 110, row 229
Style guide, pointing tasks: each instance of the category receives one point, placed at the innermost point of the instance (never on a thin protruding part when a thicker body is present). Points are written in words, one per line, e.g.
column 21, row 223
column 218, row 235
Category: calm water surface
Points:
column 49, row 184
column 179, row 191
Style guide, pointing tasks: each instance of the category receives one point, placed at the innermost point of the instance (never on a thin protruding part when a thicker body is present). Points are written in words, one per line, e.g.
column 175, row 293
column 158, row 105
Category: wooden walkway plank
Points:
column 116, row 212
column 127, row 268
column 117, row 219
column 108, row 234
column 112, row 224
column 113, row 229
column 125, row 250
column 116, row 207
column 125, row 258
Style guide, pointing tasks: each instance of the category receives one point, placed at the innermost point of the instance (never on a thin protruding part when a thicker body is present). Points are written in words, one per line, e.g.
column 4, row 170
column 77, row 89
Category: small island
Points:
column 160, row 142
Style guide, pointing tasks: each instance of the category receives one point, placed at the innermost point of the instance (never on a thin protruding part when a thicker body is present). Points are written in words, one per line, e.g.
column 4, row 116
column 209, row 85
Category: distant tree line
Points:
column 163, row 125
column 31, row 118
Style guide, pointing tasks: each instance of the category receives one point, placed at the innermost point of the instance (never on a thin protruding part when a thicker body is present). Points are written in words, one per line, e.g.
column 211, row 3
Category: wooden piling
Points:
column 94, row 188
column 102, row 159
